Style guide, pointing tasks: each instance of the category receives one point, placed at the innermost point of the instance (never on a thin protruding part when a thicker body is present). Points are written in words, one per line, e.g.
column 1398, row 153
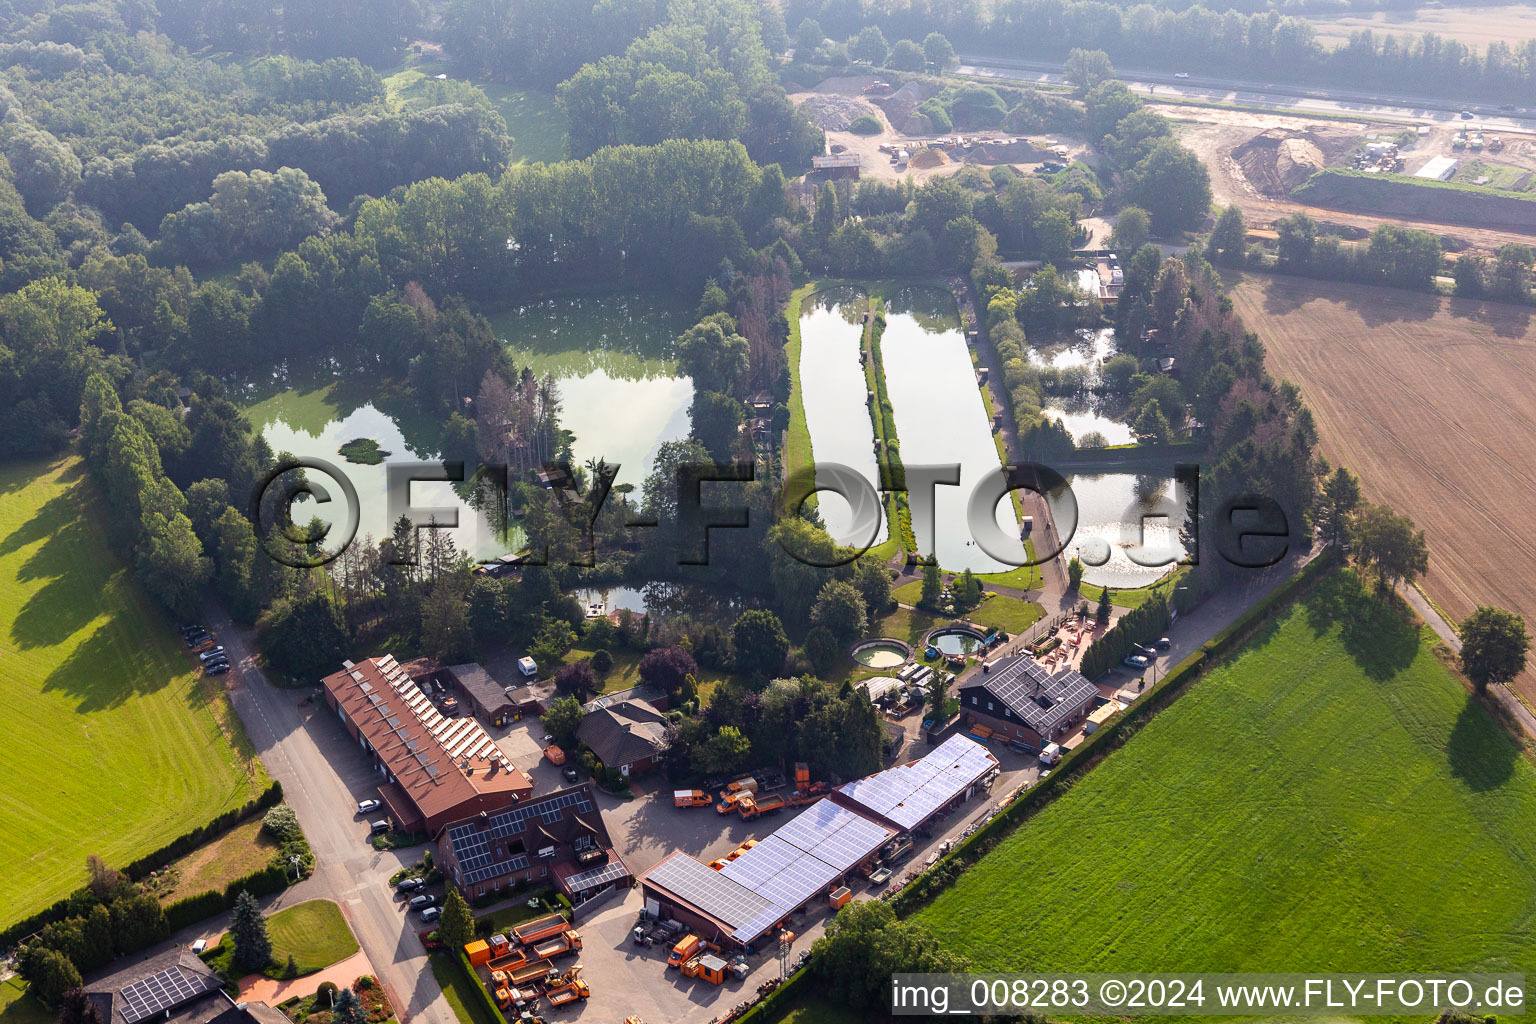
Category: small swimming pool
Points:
column 954, row 641
column 882, row 653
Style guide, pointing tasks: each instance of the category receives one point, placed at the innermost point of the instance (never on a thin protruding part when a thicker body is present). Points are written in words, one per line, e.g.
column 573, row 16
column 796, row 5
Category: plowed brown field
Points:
column 1432, row 402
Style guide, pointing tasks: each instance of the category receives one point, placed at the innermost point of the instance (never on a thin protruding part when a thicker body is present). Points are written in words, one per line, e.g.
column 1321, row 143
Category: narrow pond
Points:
column 940, row 418
column 833, row 392
column 1123, row 520
column 1085, row 415
column 614, row 358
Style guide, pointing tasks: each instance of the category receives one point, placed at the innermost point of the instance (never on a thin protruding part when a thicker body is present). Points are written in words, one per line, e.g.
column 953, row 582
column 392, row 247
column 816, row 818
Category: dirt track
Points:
column 1432, row 402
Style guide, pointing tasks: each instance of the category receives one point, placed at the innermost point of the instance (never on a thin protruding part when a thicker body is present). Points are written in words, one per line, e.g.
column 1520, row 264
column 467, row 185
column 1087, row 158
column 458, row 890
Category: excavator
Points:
column 568, row 988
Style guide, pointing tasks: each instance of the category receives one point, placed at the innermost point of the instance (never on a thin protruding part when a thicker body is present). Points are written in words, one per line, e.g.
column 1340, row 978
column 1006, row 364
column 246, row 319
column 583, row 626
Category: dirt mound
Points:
column 851, row 86
column 901, row 107
column 1019, row 151
column 834, row 112
column 929, row 158
column 1277, row 161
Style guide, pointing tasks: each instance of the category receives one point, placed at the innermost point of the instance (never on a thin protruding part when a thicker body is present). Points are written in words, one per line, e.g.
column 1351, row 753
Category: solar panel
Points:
column 909, row 794
column 469, row 841
column 164, row 990
column 592, row 877
column 710, row 891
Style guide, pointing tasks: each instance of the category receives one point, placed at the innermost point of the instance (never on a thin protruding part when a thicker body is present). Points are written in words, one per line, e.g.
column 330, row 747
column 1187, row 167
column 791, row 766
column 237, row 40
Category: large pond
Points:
column 833, row 390
column 1124, row 521
column 1085, row 415
column 940, row 419
column 316, row 419
column 614, row 358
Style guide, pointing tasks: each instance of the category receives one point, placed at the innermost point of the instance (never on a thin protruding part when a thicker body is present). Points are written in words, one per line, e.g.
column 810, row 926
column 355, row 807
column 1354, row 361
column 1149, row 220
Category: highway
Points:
column 1281, row 98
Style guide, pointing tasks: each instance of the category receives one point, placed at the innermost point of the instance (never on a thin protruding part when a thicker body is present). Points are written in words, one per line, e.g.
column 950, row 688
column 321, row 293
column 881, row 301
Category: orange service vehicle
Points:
column 686, row 949
column 554, row 754
column 691, row 798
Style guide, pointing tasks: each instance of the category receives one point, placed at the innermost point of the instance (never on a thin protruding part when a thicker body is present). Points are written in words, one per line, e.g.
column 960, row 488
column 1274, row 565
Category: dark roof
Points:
column 536, row 692
column 481, row 686
column 175, row 980
column 495, row 845
column 655, row 696
column 624, row 733
column 1040, row 700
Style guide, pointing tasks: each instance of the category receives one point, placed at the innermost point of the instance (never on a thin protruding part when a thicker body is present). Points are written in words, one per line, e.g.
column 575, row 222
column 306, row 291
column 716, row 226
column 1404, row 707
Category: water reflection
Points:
column 1123, row 520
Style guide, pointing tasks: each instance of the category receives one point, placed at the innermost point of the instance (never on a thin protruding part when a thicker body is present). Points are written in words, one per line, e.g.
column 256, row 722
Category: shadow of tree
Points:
column 1377, row 629
column 1480, row 753
column 109, row 666
column 62, row 606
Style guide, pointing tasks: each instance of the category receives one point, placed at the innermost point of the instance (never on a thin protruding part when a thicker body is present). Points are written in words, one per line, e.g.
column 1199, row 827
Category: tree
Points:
column 75, row 1007
column 301, row 638
column 562, row 718
column 1387, row 542
column 760, row 644
column 49, row 973
column 1085, row 69
column 713, row 355
column 1132, row 229
column 1512, row 272
column 1102, row 613
column 840, row 609
column 865, row 944
column 808, row 39
column 1470, row 272
column 1173, row 186
column 874, row 582
column 907, row 56
column 1297, row 236
column 253, row 947
column 1229, row 238
column 941, row 706
column 1493, row 646
column 967, row 591
column 667, row 668
column 1337, row 503
column 868, row 46
column 101, row 879
column 939, row 52
column 457, row 925
column 724, row 752
column 1074, row 573
column 577, row 679
column 349, row 1009
column 933, row 585
column 602, row 662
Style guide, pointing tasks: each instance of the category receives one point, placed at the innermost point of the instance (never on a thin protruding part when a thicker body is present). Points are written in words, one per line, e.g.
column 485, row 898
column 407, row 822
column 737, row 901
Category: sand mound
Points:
column 901, row 107
column 833, row 112
column 929, row 158
column 1020, row 151
column 1277, row 161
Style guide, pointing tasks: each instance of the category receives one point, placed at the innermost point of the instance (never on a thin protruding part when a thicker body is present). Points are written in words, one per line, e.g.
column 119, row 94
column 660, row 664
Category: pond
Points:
column 881, row 654
column 1112, row 538
column 833, row 391
column 940, row 419
column 1084, row 415
column 315, row 419
column 605, row 600
column 614, row 358
column 952, row 643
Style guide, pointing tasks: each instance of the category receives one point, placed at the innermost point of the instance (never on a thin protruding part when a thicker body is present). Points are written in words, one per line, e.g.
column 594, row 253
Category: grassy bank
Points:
column 110, row 744
column 1331, row 799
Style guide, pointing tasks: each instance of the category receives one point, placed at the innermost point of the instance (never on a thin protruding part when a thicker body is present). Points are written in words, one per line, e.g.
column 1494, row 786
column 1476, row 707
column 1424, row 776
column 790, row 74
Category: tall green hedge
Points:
column 1137, row 626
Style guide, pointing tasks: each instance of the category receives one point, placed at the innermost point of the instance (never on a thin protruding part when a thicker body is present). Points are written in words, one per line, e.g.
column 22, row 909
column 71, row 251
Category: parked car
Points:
column 1163, row 643
column 409, row 884
column 198, row 946
column 1135, row 661
column 220, row 662
column 431, row 914
column 210, row 654
column 1181, row 74
column 191, row 628
column 1506, row 106
column 1466, row 115
column 378, row 828
column 217, row 670
column 571, row 775
column 423, row 901
column 1144, row 650
column 364, row 806
column 196, row 639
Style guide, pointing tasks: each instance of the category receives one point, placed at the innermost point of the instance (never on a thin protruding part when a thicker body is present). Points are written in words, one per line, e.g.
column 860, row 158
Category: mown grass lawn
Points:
column 458, row 988
column 1330, row 800
column 313, row 932
column 109, row 744
column 17, row 1005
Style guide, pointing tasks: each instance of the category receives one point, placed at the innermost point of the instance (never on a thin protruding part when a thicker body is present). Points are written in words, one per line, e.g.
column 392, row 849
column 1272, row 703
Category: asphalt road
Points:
column 323, row 777
column 1279, row 97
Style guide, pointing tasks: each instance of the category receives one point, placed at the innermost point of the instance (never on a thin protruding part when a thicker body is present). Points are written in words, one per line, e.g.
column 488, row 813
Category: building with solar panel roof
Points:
column 1025, row 705
column 172, row 988
column 432, row 769
column 558, row 840
column 810, row 855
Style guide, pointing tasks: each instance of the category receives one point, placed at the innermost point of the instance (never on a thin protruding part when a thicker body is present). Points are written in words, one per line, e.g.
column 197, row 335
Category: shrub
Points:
column 866, row 124
column 282, row 824
column 326, row 992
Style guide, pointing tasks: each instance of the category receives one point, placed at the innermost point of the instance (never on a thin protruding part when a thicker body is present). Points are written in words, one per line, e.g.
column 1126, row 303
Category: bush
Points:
column 602, row 662
column 282, row 824
column 326, row 992
column 866, row 124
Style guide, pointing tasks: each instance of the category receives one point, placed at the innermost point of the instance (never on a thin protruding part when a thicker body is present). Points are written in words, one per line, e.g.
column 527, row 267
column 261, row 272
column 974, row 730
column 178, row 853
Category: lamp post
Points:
column 295, row 860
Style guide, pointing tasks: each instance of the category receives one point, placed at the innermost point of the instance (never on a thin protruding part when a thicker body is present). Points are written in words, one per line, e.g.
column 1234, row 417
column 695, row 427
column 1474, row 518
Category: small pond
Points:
column 882, row 653
column 1112, row 537
column 955, row 641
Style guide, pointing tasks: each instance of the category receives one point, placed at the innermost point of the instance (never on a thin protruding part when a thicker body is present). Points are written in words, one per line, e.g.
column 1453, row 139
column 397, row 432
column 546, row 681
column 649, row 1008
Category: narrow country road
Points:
column 1447, row 632
column 324, row 776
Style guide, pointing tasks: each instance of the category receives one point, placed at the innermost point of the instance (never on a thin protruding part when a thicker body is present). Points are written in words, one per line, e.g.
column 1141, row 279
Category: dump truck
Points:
column 536, row 972
column 691, row 798
column 746, row 785
column 509, row 961
column 752, row 807
column 686, row 949
column 508, row 996
column 540, row 928
column 568, row 941
column 567, row 991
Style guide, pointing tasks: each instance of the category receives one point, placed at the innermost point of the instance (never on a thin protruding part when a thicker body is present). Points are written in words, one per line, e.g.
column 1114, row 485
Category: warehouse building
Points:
column 1025, row 705
column 432, row 769
column 746, row 900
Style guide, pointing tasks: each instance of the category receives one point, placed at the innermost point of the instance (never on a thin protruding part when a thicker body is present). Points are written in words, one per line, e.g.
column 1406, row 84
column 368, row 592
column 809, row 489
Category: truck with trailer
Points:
column 540, row 928
column 568, row 941
column 509, row 961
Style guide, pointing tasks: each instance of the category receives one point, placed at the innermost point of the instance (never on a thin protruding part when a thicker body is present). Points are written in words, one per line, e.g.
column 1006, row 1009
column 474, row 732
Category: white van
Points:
column 1050, row 757
column 528, row 667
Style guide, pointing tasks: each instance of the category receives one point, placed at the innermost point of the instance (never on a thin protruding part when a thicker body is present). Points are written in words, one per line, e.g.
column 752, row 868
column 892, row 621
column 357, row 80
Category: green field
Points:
column 18, row 1007
column 313, row 932
column 1330, row 800
column 533, row 118
column 111, row 744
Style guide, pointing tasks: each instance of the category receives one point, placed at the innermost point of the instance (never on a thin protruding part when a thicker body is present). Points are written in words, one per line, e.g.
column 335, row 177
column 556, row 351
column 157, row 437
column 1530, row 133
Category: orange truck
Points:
column 540, row 928
column 686, row 949
column 568, row 941
column 567, row 992
column 510, row 961
column 691, row 798
column 554, row 754
column 752, row 807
